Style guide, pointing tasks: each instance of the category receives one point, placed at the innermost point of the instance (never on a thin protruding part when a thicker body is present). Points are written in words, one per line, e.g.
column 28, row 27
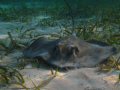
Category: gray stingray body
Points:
column 70, row 51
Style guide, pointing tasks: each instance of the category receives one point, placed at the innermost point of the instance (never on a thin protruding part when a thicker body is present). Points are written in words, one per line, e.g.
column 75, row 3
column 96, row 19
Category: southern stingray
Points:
column 69, row 51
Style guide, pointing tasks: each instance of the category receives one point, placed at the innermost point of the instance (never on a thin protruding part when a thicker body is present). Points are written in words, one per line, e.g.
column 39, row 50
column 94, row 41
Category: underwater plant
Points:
column 105, row 26
column 47, row 22
column 21, row 13
column 10, row 75
column 22, row 33
column 13, row 44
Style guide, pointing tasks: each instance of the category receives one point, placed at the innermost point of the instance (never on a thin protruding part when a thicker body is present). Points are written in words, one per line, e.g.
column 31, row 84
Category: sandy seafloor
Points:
column 77, row 79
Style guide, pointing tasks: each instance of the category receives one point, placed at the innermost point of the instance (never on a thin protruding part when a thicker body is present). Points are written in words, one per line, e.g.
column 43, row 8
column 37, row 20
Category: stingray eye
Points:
column 56, row 49
column 74, row 50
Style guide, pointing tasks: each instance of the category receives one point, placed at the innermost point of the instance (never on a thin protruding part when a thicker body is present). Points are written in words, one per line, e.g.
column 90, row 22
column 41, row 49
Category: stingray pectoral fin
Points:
column 110, row 50
column 27, row 52
column 40, row 42
column 36, row 48
column 36, row 53
column 100, row 55
column 98, row 43
column 45, row 56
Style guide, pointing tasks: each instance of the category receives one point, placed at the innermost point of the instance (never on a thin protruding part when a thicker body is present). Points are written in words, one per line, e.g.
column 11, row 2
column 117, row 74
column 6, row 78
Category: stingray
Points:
column 69, row 51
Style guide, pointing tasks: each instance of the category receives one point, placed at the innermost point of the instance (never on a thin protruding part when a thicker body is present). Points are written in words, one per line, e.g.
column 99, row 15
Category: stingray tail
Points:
column 73, row 27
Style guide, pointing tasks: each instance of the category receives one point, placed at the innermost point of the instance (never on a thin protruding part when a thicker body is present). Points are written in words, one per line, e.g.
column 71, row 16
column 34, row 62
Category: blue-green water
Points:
column 49, row 1
column 80, row 8
column 100, row 14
